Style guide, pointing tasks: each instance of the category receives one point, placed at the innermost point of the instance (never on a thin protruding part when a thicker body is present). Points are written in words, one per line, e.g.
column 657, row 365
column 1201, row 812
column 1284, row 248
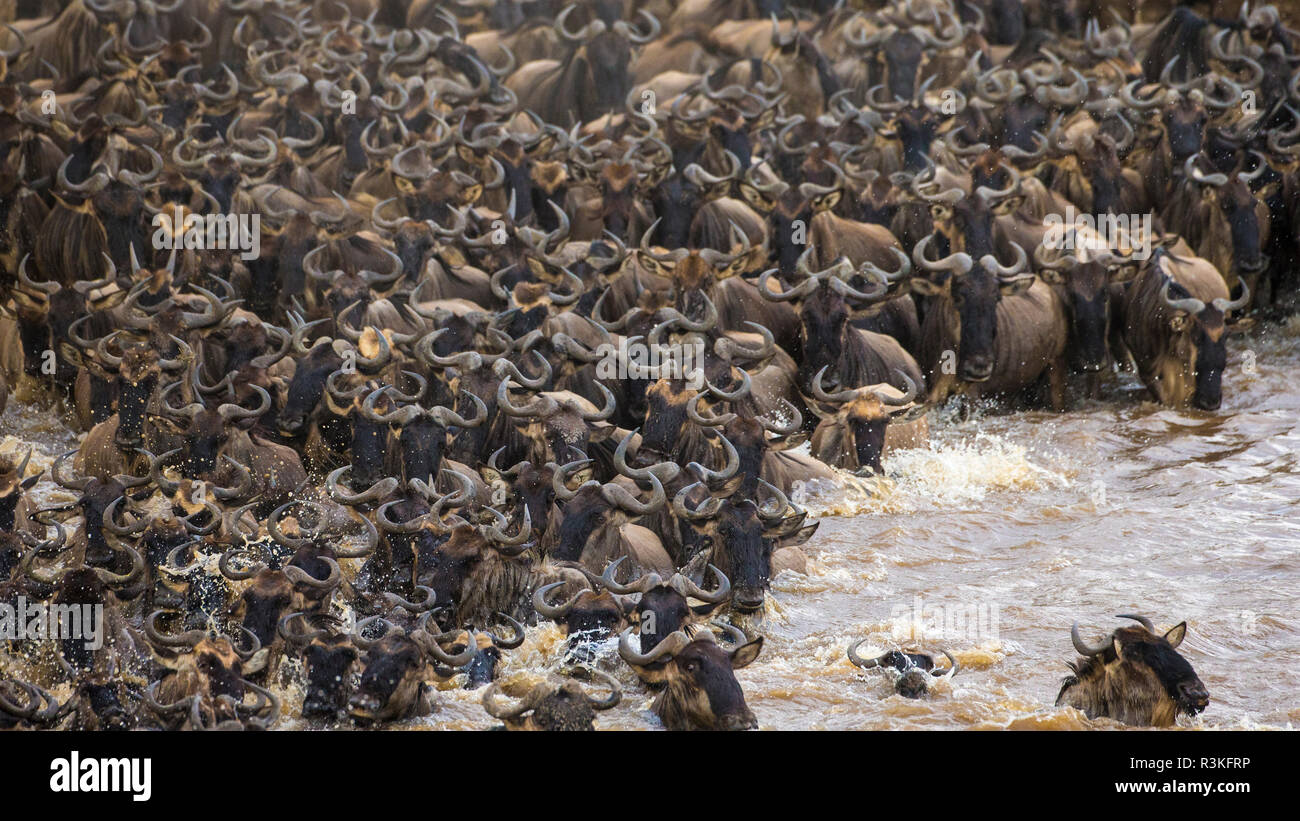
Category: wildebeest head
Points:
column 914, row 671
column 99, row 502
column 484, row 650
column 262, row 604
column 307, row 387
column 598, row 61
column 1136, row 676
column 1184, row 118
column 330, row 660
column 1238, row 208
column 852, row 436
column 666, row 417
column 474, row 569
column 594, row 513
column 208, row 431
column 618, row 185
column 970, row 281
column 675, row 201
column 827, row 301
column 421, row 432
column 101, row 704
column 392, row 682
column 694, row 272
column 547, row 706
column 138, row 377
column 201, row 678
column 559, row 424
column 531, row 485
column 902, row 57
column 701, row 691
column 663, row 607
column 898, row 54
column 1087, row 298
column 587, row 618
column 1200, row 336
column 741, row 536
column 1099, row 161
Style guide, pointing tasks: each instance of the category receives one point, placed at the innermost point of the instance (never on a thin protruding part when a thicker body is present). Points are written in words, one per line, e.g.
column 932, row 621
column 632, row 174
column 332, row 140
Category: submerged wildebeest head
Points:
column 1136, row 676
column 587, row 618
column 565, row 707
column 484, row 648
column 102, row 704
column 914, row 671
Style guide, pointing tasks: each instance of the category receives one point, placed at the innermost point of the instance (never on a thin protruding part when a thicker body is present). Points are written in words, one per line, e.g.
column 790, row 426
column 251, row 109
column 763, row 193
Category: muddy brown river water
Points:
column 989, row 544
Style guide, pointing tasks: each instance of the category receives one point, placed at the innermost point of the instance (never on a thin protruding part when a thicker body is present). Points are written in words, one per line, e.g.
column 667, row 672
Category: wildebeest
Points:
column 835, row 205
column 913, row 672
column 1176, row 320
column 1136, row 676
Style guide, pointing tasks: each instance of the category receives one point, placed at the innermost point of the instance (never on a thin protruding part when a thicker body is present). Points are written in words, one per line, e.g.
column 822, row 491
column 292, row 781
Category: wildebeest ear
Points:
column 704, row 609
column 746, row 653
column 1176, row 634
column 925, row 287
column 1114, row 643
column 1051, row 276
column 1178, row 323
column 800, row 536
column 470, row 194
column 648, row 263
column 258, row 661
column 729, row 487
column 1008, row 205
column 466, row 155
column 1122, row 274
column 827, row 202
column 490, row 475
column 1241, row 325
column 754, row 197
column 452, row 255
column 166, row 423
column 909, row 414
column 1016, row 286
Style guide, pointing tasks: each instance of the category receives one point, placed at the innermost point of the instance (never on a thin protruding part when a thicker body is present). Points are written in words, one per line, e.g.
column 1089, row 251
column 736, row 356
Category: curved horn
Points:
column 1082, row 647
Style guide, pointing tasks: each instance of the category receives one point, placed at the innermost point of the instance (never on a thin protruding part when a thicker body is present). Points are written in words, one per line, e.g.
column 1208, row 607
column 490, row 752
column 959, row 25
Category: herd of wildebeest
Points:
column 542, row 300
